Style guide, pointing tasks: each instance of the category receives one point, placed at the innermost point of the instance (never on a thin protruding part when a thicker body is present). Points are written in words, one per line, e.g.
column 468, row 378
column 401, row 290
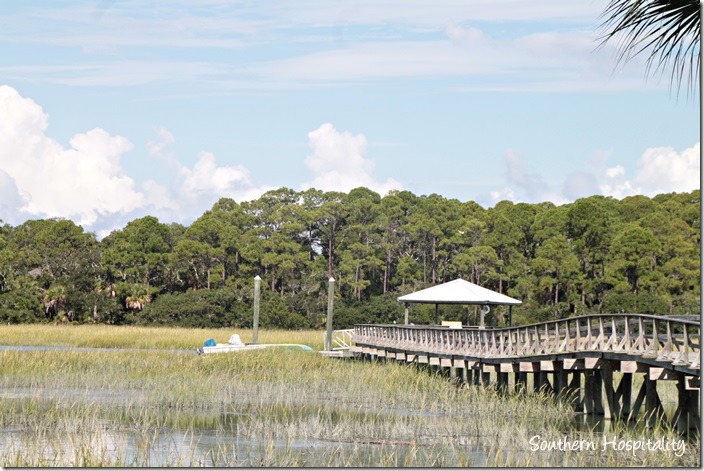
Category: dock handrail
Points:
column 342, row 339
column 666, row 339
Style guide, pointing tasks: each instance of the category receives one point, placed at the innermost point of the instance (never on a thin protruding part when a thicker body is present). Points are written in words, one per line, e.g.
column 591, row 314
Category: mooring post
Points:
column 328, row 331
column 255, row 322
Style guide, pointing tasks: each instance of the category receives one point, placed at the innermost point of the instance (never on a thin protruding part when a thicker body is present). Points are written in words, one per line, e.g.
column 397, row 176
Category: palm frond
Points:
column 666, row 30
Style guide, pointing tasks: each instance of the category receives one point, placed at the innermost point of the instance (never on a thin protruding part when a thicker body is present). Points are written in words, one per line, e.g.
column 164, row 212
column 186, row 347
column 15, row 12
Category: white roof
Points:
column 458, row 291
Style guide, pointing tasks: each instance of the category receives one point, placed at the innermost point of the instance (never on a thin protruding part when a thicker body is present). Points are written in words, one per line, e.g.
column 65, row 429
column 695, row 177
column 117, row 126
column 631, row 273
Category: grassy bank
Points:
column 272, row 408
column 167, row 338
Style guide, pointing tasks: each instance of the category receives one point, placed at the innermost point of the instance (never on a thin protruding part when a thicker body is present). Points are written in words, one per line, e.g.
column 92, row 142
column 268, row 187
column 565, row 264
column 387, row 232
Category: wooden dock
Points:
column 590, row 359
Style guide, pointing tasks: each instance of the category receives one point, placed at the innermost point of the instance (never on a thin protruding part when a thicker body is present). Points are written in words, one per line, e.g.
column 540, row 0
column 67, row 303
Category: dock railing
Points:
column 665, row 339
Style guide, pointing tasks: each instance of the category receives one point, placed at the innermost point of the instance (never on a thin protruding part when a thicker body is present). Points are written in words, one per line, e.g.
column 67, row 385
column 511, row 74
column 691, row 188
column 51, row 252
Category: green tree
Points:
column 139, row 252
column 557, row 269
column 634, row 256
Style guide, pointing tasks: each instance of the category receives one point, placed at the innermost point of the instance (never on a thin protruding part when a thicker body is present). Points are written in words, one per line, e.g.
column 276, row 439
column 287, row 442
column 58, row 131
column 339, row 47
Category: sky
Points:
column 111, row 111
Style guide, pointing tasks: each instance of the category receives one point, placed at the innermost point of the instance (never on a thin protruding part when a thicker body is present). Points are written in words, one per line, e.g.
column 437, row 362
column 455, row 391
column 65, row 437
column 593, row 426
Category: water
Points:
column 212, row 448
column 43, row 348
column 224, row 445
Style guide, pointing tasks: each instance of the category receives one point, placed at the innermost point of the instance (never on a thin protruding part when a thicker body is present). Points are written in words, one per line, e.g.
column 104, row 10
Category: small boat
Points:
column 236, row 345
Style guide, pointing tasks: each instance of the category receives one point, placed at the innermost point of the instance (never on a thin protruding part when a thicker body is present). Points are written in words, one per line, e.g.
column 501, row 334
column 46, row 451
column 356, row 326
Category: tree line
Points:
column 597, row 254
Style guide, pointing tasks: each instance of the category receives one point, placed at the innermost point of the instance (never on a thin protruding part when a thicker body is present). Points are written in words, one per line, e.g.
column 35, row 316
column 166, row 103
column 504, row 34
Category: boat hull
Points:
column 227, row 348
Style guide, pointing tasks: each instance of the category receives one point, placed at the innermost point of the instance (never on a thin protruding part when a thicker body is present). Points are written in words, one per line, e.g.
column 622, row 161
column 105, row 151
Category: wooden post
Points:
column 255, row 322
column 328, row 332
column 502, row 381
column 651, row 401
column 405, row 314
column 510, row 315
column 597, row 393
column 486, row 378
column 682, row 413
column 693, row 409
column 575, row 389
column 560, row 381
column 626, row 392
column 521, row 381
column 588, row 392
column 610, row 406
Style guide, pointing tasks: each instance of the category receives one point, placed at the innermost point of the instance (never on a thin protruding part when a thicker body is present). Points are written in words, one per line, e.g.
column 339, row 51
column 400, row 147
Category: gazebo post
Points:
column 405, row 314
column 510, row 315
column 437, row 317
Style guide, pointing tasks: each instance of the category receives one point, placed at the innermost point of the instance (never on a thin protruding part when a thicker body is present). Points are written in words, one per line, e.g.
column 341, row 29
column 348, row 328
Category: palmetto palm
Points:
column 666, row 30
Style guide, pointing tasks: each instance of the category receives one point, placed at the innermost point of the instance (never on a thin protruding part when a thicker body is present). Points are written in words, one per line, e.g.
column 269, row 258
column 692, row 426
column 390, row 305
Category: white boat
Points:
column 236, row 345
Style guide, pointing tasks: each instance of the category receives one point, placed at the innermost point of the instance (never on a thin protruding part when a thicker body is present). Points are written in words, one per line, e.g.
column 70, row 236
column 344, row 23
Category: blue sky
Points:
column 113, row 110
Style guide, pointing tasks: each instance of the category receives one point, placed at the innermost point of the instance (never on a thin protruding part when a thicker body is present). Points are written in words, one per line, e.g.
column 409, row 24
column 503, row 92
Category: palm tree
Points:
column 666, row 30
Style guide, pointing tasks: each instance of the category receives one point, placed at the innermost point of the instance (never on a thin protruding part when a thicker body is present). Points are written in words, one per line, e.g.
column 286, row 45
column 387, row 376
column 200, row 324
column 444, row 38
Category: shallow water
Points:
column 218, row 449
column 41, row 348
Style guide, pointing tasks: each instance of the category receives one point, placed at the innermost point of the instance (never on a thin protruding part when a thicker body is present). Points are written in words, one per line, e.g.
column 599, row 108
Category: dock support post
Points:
column 502, row 381
column 682, row 413
column 588, row 392
column 486, row 378
column 651, row 401
column 575, row 389
column 539, row 380
column 626, row 387
column 520, row 381
column 610, row 405
column 693, row 409
column 559, row 381
column 598, row 395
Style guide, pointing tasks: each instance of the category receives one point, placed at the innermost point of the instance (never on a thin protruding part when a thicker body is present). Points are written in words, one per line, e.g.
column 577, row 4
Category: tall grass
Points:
column 167, row 338
column 271, row 408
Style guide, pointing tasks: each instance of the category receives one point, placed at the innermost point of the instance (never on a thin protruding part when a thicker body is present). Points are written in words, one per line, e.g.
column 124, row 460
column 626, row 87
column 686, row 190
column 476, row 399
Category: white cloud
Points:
column 659, row 170
column 385, row 44
column 207, row 178
column 85, row 182
column 617, row 171
column 664, row 170
column 579, row 185
column 505, row 194
column 520, row 174
column 80, row 182
column 338, row 162
column 194, row 189
column 161, row 148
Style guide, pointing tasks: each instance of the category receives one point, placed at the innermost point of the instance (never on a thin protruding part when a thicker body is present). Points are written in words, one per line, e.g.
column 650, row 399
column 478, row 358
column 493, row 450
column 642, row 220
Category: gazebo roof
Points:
column 459, row 291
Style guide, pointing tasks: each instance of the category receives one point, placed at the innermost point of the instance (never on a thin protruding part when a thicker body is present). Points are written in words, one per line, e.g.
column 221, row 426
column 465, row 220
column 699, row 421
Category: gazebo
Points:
column 458, row 291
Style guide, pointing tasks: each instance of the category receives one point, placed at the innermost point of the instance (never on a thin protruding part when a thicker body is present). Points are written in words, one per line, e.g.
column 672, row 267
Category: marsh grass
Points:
column 268, row 408
column 166, row 338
